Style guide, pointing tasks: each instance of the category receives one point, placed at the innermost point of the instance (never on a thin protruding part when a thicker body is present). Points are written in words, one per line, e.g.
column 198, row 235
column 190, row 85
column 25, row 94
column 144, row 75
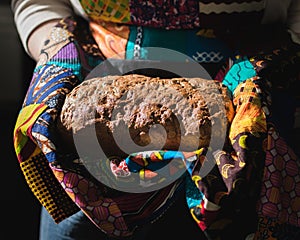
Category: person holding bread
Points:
column 251, row 48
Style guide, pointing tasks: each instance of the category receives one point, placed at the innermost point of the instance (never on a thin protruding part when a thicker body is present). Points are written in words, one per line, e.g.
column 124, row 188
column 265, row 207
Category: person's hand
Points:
column 67, row 56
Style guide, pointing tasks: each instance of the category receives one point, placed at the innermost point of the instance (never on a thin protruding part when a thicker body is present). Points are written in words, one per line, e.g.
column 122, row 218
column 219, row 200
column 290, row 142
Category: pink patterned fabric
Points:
column 280, row 195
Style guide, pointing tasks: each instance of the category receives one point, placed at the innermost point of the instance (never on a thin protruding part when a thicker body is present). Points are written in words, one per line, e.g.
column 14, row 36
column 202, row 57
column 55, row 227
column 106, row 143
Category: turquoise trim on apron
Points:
column 187, row 42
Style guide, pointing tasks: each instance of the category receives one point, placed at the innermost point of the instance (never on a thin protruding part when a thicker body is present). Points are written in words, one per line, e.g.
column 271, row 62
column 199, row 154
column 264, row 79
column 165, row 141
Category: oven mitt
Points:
column 239, row 187
column 280, row 71
column 68, row 55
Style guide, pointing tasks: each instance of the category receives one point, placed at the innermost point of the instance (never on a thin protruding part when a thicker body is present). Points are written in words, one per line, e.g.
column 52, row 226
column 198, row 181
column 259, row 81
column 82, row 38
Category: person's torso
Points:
column 192, row 27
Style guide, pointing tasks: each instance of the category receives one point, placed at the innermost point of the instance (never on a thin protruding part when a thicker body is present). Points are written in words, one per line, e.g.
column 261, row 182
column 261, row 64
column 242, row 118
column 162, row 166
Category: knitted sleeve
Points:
column 29, row 14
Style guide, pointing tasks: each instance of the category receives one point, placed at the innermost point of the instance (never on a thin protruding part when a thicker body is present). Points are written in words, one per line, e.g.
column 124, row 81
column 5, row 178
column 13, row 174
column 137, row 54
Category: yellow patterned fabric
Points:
column 44, row 185
column 27, row 117
column 249, row 114
column 106, row 10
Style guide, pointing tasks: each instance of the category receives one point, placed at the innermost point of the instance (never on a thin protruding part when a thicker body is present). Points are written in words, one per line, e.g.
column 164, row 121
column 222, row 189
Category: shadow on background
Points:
column 20, row 209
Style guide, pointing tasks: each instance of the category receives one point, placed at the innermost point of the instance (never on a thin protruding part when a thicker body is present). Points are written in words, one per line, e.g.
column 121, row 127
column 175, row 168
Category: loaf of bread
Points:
column 133, row 113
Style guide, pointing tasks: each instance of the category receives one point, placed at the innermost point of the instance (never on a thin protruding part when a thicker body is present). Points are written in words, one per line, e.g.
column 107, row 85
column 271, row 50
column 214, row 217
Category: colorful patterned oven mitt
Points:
column 256, row 178
column 68, row 55
column 58, row 178
column 278, row 206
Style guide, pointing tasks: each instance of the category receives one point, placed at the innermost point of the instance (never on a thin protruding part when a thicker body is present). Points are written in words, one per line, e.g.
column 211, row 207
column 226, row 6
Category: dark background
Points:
column 19, row 207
